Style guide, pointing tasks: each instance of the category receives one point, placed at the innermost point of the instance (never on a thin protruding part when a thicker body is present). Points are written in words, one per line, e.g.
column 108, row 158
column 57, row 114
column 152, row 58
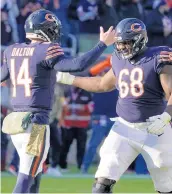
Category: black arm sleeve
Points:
column 77, row 64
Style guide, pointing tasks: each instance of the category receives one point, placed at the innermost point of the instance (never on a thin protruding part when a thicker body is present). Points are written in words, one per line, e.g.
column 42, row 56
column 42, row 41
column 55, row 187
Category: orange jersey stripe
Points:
column 36, row 163
column 39, row 158
column 53, row 47
column 54, row 51
column 54, row 55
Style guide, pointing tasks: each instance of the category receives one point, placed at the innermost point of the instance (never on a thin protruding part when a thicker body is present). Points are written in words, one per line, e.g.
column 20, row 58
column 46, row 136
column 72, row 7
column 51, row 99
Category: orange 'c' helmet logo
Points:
column 136, row 27
column 50, row 17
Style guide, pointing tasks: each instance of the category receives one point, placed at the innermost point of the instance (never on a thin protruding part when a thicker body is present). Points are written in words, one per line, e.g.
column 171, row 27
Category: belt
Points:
column 140, row 126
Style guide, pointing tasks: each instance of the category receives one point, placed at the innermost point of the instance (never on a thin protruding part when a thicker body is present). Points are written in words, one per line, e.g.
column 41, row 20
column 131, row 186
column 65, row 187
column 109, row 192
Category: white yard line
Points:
column 126, row 176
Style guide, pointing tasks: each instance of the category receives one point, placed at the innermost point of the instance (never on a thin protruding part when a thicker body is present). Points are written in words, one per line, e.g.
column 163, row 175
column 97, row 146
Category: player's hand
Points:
column 165, row 56
column 64, row 78
column 3, row 84
column 158, row 123
column 107, row 37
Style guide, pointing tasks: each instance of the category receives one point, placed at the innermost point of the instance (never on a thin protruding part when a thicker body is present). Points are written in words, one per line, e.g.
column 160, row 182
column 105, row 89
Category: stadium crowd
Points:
column 77, row 113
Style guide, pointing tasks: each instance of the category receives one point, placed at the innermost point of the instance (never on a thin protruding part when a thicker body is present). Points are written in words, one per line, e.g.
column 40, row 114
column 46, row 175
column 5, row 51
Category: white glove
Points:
column 158, row 123
column 64, row 78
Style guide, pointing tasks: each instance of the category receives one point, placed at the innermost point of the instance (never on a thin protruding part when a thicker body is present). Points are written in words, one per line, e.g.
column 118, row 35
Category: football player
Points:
column 32, row 70
column 143, row 77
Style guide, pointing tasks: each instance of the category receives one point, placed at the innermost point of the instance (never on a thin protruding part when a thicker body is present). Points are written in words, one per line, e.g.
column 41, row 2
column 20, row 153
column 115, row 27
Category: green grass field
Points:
column 81, row 185
column 78, row 183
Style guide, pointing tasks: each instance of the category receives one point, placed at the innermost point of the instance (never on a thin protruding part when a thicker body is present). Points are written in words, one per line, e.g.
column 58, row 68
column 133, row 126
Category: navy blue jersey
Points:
column 32, row 70
column 32, row 81
column 105, row 103
column 140, row 92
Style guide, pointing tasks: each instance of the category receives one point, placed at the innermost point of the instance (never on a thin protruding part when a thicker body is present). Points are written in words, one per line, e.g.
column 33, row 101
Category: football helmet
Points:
column 44, row 25
column 131, row 37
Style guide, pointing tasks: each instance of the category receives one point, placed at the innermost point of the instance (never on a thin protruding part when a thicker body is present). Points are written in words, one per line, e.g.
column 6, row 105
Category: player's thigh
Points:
column 116, row 155
column 158, row 158
column 29, row 164
column 157, row 151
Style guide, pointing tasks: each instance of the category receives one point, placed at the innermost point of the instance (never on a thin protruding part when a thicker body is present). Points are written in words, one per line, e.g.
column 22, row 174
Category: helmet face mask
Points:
column 131, row 37
column 43, row 25
column 124, row 48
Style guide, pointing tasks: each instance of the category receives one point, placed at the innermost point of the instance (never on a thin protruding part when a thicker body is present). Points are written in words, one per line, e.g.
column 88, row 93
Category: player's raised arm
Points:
column 76, row 64
column 4, row 69
column 91, row 84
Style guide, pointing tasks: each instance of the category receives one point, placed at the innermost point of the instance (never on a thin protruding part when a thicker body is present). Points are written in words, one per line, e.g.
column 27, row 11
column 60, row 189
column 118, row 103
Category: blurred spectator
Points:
column 6, row 29
column 148, row 6
column 4, row 140
column 5, row 106
column 13, row 167
column 5, row 95
column 129, row 9
column 24, row 13
column 104, row 108
column 22, row 3
column 74, row 20
column 55, row 132
column 75, row 122
column 37, row 5
column 10, row 6
column 107, row 14
column 4, row 143
column 88, row 15
column 159, row 25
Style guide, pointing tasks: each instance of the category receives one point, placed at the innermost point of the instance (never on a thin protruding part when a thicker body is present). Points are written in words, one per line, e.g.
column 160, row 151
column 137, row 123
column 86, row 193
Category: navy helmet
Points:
column 44, row 25
column 133, row 31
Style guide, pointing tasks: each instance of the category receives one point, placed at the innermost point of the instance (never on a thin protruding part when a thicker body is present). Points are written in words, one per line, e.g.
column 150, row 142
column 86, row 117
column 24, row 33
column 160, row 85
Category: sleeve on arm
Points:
column 4, row 68
column 60, row 62
column 162, row 61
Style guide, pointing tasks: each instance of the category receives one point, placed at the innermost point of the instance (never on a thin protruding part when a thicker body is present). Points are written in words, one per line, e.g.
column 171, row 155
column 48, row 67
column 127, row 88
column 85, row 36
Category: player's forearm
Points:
column 80, row 63
column 91, row 84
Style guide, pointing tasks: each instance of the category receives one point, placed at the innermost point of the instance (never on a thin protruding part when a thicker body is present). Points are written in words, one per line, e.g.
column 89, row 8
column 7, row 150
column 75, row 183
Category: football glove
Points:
column 64, row 78
column 158, row 123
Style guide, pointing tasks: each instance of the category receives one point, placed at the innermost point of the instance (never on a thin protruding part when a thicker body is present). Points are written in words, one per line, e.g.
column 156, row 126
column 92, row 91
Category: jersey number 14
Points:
column 22, row 78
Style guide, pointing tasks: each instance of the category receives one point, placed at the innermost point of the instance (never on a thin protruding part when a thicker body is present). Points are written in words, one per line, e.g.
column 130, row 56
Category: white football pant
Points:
column 123, row 144
column 30, row 165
